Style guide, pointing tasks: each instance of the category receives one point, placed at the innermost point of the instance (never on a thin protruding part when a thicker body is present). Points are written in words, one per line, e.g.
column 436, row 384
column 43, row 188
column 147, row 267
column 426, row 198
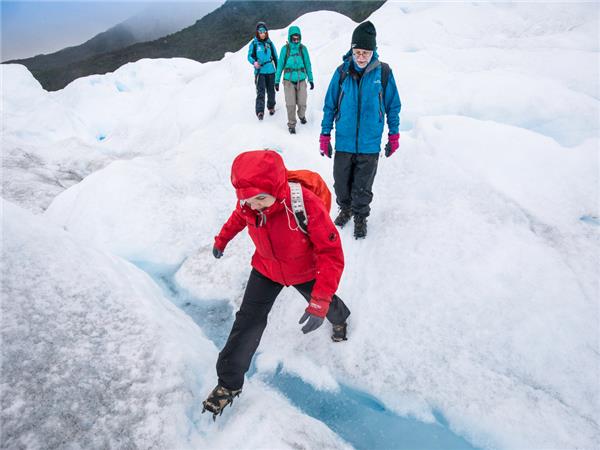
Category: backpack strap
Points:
column 297, row 200
column 301, row 47
column 385, row 75
column 287, row 54
column 343, row 74
column 273, row 53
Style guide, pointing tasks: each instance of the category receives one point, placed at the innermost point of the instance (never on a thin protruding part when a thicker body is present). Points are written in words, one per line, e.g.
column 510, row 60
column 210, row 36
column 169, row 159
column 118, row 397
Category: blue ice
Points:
column 357, row 417
column 121, row 87
column 364, row 422
column 592, row 220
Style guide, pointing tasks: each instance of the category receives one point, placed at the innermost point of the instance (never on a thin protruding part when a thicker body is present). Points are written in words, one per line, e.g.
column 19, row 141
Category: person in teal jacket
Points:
column 294, row 64
column 262, row 54
column 361, row 94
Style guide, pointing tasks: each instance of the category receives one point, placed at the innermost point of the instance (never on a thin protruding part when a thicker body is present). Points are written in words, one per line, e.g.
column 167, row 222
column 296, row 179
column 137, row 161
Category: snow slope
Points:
column 94, row 356
column 476, row 293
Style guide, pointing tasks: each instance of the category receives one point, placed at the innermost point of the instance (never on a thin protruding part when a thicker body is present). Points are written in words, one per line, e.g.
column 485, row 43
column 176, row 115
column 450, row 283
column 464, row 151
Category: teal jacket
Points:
column 265, row 53
column 294, row 61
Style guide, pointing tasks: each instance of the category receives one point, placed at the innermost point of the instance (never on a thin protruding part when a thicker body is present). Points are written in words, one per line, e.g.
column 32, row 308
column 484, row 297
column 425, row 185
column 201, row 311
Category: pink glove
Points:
column 325, row 145
column 392, row 144
column 256, row 65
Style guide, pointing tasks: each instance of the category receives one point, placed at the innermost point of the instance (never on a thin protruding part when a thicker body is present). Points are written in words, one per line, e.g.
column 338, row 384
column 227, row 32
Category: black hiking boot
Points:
column 339, row 333
column 271, row 111
column 360, row 227
column 292, row 130
column 302, row 120
column 343, row 217
column 218, row 399
column 260, row 116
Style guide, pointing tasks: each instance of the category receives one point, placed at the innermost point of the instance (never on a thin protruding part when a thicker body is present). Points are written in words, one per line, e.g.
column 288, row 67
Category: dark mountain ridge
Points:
column 227, row 29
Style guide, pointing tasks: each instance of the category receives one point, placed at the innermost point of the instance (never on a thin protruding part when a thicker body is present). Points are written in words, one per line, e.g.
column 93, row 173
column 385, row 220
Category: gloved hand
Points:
column 216, row 252
column 325, row 145
column 315, row 313
column 313, row 323
column 277, row 87
column 312, row 85
column 392, row 144
column 256, row 65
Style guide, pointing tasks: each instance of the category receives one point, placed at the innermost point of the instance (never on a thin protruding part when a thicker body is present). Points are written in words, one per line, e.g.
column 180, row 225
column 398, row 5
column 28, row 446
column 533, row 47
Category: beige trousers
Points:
column 295, row 96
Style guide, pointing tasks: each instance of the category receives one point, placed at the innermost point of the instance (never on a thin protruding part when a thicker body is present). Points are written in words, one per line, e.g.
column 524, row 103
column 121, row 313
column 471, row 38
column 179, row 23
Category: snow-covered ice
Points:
column 95, row 356
column 474, row 298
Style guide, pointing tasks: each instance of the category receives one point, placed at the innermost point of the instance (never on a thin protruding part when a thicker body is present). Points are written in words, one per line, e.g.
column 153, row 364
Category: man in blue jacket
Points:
column 361, row 92
column 263, row 56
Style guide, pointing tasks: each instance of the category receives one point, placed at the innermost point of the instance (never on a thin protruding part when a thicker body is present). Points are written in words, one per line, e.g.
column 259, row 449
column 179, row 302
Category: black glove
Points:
column 216, row 252
column 313, row 323
column 277, row 87
column 312, row 85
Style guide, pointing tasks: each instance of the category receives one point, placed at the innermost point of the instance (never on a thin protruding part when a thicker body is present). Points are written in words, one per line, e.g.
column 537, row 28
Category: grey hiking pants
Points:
column 295, row 96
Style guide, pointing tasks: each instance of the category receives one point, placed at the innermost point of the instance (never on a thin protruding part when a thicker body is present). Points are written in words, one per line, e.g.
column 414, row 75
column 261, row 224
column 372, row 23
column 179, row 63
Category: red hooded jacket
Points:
column 283, row 253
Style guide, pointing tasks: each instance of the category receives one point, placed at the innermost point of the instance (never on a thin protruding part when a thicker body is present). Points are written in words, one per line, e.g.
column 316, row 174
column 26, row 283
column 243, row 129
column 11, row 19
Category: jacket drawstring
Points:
column 287, row 211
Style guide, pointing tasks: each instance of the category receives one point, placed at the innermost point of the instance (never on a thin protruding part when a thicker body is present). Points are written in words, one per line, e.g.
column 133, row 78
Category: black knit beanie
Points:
column 364, row 36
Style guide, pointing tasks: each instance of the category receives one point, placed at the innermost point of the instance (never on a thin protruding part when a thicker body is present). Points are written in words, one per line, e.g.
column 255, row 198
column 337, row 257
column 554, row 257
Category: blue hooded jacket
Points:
column 359, row 117
column 263, row 51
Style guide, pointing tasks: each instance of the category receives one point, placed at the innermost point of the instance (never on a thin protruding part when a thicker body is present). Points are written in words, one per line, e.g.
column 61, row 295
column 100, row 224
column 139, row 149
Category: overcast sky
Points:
column 30, row 28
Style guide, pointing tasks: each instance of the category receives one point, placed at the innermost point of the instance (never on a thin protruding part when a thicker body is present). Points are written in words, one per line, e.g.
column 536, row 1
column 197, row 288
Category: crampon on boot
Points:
column 339, row 332
column 218, row 399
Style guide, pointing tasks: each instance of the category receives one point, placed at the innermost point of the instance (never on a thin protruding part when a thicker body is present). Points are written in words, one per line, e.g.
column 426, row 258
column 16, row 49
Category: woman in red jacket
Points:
column 285, row 256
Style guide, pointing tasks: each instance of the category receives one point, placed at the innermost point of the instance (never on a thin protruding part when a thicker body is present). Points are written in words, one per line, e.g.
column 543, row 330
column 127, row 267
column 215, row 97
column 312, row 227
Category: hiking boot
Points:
column 302, row 120
column 218, row 399
column 292, row 130
column 343, row 217
column 339, row 333
column 260, row 116
column 360, row 227
column 271, row 111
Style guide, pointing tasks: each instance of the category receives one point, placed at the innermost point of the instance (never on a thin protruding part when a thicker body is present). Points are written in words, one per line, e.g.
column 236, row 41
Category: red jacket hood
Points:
column 259, row 172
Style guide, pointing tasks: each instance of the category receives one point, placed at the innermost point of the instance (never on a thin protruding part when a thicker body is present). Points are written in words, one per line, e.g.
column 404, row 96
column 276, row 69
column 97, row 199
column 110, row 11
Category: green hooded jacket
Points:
column 296, row 67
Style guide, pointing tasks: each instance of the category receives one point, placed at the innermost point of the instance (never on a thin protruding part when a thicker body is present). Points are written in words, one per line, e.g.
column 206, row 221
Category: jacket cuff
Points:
column 220, row 243
column 318, row 307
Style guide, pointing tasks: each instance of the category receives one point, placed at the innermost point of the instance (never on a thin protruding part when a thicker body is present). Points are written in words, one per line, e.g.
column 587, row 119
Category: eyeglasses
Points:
column 362, row 53
column 295, row 38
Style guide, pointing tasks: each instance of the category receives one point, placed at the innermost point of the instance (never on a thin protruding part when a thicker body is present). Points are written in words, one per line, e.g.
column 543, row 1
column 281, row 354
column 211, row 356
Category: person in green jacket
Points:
column 294, row 63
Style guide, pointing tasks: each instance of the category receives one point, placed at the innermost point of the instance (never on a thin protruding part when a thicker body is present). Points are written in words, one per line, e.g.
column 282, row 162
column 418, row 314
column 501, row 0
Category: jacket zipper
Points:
column 273, row 252
column 358, row 111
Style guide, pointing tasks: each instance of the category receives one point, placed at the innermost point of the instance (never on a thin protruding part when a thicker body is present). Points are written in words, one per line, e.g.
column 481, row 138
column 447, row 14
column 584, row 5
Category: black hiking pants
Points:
column 250, row 322
column 353, row 175
column 265, row 82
